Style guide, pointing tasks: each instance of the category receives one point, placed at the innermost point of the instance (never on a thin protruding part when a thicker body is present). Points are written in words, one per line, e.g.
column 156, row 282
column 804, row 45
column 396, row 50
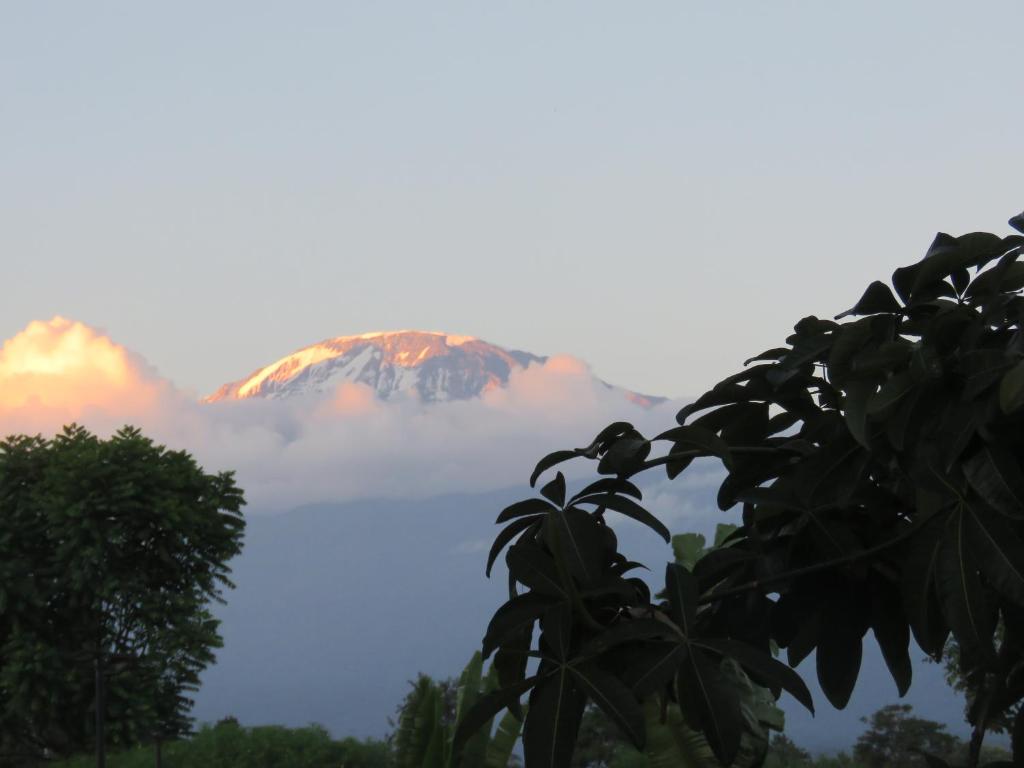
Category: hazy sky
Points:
column 661, row 189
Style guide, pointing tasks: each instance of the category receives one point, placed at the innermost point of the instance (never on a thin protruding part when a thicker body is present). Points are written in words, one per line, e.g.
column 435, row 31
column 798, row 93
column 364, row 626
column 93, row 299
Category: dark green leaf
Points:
column 877, row 298
column 553, row 722
column 484, row 710
column 839, row 653
column 892, row 632
column 510, row 661
column 960, row 590
column 517, row 615
column 627, row 632
column 1017, row 222
column 549, row 461
column 523, row 508
column 625, row 456
column 506, row 535
column 681, row 589
column 1011, row 389
column 891, row 392
column 763, row 668
column 918, row 590
column 532, row 566
column 614, row 699
column 996, row 476
column 629, row 508
column 609, row 485
column 580, row 539
column 855, row 409
column 554, row 491
column 556, row 630
column 650, row 667
column 710, row 704
column 692, row 436
column 999, row 552
column 718, row 563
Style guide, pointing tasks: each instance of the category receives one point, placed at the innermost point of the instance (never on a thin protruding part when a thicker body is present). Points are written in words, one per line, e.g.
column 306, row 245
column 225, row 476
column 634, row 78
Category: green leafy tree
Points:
column 783, row 753
column 431, row 712
column 877, row 461
column 110, row 554
column 231, row 745
column 895, row 739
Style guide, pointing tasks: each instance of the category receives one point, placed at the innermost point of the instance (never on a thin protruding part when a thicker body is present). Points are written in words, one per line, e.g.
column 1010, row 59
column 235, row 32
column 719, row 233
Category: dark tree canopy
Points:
column 877, row 461
column 895, row 738
column 110, row 553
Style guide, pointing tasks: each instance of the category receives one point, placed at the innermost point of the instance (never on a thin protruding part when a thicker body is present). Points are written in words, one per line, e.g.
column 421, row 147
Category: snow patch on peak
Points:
column 458, row 341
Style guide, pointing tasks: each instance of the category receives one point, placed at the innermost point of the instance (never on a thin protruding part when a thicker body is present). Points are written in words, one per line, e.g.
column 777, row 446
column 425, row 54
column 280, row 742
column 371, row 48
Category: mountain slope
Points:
column 437, row 367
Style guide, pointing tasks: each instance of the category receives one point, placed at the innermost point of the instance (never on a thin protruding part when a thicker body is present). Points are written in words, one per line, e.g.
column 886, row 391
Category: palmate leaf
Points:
column 652, row 666
column 580, row 539
column 530, row 565
column 556, row 708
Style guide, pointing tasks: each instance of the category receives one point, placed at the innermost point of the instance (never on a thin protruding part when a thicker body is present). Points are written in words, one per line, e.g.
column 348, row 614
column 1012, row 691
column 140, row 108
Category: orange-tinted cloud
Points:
column 58, row 371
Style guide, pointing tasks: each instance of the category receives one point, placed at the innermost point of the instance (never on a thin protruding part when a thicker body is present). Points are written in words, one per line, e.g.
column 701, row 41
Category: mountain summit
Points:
column 436, row 366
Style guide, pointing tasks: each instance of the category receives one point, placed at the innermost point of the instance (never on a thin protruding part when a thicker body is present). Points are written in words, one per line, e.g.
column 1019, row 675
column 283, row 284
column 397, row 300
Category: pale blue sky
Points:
column 661, row 189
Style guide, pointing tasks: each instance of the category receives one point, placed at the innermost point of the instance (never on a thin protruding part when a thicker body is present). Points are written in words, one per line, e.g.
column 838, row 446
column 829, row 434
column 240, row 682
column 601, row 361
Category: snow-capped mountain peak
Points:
column 434, row 366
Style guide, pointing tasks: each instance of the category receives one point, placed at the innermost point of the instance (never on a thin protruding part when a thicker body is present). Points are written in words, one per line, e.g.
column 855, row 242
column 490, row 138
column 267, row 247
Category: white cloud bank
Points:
column 339, row 447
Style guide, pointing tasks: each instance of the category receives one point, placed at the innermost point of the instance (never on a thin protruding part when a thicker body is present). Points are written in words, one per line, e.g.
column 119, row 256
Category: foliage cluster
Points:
column 428, row 716
column 110, row 553
column 230, row 745
column 878, row 465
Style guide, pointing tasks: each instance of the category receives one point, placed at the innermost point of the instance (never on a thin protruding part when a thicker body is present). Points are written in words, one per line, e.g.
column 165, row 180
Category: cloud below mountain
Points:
column 338, row 445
